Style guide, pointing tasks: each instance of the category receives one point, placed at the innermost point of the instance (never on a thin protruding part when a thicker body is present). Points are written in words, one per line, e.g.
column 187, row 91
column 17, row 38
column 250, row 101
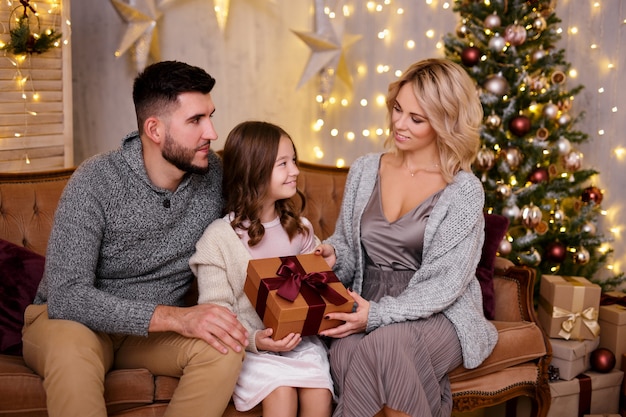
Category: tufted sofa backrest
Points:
column 323, row 188
column 27, row 205
column 28, row 202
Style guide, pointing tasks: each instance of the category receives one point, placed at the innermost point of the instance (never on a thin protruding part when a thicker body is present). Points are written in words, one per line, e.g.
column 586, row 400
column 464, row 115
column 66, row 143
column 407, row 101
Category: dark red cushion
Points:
column 495, row 230
column 20, row 273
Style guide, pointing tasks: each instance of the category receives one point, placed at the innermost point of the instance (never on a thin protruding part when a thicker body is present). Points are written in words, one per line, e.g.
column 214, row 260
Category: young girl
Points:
column 290, row 376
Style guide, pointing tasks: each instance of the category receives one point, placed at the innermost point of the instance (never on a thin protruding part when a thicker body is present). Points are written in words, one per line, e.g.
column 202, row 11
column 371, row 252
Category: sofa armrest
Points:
column 514, row 292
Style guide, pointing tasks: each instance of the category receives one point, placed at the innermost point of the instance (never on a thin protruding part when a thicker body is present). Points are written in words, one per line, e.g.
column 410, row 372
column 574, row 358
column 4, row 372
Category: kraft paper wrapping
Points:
column 604, row 395
column 568, row 307
column 572, row 356
column 612, row 321
column 305, row 313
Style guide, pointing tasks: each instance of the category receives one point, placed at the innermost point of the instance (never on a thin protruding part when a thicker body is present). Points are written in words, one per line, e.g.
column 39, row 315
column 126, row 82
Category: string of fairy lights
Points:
column 24, row 36
column 354, row 117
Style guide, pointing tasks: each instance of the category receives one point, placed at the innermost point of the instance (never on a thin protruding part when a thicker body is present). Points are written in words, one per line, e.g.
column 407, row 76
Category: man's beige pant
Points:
column 73, row 360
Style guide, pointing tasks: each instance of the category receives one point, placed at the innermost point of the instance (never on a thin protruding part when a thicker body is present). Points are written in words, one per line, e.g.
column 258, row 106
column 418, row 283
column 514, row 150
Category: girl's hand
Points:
column 264, row 341
column 327, row 252
column 355, row 322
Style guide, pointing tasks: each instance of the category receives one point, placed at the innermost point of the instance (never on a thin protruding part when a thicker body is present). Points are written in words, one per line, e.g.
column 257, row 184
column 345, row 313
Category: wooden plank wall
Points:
column 36, row 117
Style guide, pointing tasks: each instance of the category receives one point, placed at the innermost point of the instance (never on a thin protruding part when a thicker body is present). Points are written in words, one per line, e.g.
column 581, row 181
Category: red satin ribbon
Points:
column 584, row 397
column 295, row 275
column 607, row 300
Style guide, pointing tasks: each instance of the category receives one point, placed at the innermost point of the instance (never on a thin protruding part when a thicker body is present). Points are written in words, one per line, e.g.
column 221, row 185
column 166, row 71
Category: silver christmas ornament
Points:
column 497, row 84
column 550, row 111
column 589, row 228
column 563, row 146
column 530, row 258
column 497, row 43
column 537, row 55
column 511, row 212
column 564, row 119
column 492, row 21
column 573, row 161
column 505, row 247
column 462, row 30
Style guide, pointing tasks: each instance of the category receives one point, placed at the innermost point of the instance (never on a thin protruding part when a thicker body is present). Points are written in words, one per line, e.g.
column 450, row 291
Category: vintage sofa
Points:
column 517, row 367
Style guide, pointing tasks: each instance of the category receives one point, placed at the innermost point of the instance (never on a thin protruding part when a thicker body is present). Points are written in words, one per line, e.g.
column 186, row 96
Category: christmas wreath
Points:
column 23, row 40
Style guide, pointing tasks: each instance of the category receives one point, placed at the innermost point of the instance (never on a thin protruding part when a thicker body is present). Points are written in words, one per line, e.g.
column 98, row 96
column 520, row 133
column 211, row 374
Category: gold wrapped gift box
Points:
column 568, row 307
column 309, row 281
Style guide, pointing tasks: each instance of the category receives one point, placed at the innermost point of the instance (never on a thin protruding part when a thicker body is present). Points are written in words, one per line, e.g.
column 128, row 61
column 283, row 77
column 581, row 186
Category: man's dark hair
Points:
column 159, row 85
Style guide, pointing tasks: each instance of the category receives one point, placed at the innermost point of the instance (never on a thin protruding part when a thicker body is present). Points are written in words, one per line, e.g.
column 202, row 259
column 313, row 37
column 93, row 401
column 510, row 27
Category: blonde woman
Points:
column 407, row 242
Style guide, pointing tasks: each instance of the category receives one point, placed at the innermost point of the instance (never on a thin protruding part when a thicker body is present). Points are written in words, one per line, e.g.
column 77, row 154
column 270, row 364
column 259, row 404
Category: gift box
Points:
column 568, row 307
column 588, row 393
column 602, row 415
column 292, row 294
column 612, row 321
column 571, row 357
column 622, row 401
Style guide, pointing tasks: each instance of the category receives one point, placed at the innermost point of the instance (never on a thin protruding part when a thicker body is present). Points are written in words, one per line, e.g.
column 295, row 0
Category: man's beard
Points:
column 181, row 157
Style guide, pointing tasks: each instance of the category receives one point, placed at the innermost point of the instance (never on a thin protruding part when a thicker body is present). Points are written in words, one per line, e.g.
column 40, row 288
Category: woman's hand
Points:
column 327, row 252
column 264, row 341
column 355, row 322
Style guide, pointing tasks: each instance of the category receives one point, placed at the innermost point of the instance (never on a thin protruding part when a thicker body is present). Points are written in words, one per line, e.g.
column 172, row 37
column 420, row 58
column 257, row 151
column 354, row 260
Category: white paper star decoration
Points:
column 141, row 36
column 328, row 46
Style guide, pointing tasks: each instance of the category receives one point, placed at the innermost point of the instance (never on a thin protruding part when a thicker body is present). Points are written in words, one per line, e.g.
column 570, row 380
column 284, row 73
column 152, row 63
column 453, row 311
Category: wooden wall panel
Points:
column 36, row 116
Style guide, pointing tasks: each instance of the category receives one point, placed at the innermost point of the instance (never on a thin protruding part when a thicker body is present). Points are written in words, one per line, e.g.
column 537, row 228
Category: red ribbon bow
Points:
column 294, row 276
column 607, row 300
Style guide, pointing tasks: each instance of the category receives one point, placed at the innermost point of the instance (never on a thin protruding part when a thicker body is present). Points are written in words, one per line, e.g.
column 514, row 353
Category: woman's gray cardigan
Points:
column 446, row 281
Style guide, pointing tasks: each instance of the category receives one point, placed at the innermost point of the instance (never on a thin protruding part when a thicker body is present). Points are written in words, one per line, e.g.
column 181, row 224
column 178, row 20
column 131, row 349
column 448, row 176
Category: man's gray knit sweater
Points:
column 120, row 245
column 446, row 281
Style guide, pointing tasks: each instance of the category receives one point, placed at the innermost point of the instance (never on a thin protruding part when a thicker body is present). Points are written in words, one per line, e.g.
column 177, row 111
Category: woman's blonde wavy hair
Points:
column 449, row 99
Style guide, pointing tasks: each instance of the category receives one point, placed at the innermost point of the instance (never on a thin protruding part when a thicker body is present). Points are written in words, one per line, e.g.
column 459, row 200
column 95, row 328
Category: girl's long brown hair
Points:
column 249, row 156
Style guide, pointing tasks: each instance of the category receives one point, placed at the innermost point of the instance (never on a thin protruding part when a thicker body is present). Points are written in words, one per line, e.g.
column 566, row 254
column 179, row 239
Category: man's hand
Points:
column 264, row 341
column 214, row 324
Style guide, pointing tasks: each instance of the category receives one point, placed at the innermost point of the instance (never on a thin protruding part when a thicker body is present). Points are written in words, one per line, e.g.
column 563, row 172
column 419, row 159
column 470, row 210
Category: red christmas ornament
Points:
column 555, row 252
column 470, row 56
column 592, row 194
column 519, row 125
column 602, row 360
column 539, row 175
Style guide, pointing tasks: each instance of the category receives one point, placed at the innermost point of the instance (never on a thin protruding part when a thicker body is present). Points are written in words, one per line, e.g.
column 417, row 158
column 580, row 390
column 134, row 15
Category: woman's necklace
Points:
column 428, row 168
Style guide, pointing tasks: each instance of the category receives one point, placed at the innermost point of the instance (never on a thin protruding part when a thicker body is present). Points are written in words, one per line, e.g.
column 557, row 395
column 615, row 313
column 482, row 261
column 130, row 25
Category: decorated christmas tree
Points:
column 530, row 163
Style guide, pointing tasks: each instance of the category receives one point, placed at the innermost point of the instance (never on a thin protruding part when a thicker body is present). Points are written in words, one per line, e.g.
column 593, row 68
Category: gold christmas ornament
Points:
column 493, row 121
column 542, row 134
column 503, row 190
column 558, row 77
column 530, row 216
column 485, row 159
column 581, row 256
column 515, row 34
